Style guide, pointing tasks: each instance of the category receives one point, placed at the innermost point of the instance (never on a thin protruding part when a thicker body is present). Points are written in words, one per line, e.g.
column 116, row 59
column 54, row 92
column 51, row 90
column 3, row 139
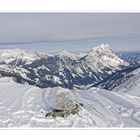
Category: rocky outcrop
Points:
column 64, row 105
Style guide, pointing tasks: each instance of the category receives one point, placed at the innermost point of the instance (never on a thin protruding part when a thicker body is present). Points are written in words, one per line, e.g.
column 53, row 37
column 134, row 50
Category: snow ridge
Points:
column 26, row 106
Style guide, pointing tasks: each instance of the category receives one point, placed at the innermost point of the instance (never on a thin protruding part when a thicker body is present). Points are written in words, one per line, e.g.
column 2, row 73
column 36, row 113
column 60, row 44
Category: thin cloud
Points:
column 35, row 28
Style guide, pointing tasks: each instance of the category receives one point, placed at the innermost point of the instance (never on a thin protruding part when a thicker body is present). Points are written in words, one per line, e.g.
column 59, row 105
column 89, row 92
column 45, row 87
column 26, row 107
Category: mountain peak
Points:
column 102, row 47
column 66, row 53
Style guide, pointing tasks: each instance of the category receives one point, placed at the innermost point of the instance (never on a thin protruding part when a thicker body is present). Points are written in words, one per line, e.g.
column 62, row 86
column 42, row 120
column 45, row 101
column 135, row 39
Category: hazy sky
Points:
column 70, row 31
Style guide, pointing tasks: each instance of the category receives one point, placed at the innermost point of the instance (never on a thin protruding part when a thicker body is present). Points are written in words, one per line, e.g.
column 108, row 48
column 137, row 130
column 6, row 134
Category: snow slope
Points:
column 26, row 106
column 132, row 85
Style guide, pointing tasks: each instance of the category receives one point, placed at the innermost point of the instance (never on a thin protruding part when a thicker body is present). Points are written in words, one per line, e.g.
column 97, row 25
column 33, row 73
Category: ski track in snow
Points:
column 26, row 106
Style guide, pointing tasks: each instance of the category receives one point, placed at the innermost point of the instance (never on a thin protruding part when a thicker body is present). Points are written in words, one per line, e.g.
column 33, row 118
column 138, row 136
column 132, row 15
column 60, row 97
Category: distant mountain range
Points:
column 133, row 58
column 65, row 69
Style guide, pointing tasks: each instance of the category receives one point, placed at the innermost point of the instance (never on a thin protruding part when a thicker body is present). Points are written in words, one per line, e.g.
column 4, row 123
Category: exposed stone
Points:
column 63, row 113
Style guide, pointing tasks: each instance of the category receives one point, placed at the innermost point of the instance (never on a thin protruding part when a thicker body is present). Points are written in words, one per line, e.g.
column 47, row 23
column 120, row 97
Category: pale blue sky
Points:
column 51, row 32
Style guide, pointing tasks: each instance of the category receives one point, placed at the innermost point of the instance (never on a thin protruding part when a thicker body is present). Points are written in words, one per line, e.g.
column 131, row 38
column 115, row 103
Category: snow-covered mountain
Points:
column 19, row 56
column 27, row 106
column 67, row 97
column 131, row 85
column 117, row 78
column 64, row 69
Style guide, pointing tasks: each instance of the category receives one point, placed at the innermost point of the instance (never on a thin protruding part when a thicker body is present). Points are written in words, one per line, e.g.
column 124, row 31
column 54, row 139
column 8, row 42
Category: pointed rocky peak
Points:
column 104, row 54
column 102, row 46
column 101, row 49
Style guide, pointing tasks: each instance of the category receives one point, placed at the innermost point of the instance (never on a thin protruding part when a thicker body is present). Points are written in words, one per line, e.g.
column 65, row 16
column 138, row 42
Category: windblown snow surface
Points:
column 26, row 106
